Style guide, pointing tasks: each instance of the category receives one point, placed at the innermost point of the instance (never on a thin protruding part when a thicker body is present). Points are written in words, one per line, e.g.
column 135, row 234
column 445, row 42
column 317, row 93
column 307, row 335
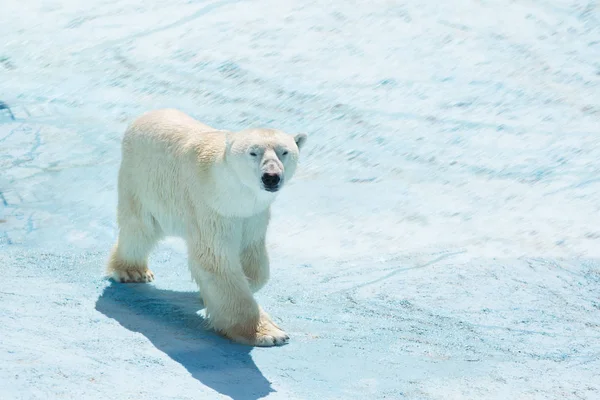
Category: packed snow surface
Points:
column 441, row 239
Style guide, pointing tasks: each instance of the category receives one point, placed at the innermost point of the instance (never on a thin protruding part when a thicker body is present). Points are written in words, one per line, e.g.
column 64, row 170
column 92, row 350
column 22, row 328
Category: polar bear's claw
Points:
column 268, row 340
column 133, row 276
column 266, row 334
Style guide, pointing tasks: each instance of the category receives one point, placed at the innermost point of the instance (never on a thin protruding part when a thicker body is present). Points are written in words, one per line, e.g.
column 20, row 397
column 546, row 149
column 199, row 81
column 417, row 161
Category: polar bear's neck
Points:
column 233, row 199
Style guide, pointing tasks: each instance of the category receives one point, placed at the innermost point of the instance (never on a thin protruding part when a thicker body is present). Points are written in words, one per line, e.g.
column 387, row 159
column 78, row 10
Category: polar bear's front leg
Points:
column 255, row 263
column 230, row 305
column 254, row 257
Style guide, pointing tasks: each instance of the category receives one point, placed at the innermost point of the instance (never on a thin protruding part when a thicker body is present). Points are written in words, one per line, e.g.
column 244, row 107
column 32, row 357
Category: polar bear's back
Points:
column 168, row 127
column 169, row 118
column 169, row 134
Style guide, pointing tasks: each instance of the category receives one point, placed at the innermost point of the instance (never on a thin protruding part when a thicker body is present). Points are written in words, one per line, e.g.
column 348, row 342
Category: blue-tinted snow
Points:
column 440, row 241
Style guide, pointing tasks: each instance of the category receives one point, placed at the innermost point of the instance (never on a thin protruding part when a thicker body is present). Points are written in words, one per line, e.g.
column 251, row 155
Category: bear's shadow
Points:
column 170, row 321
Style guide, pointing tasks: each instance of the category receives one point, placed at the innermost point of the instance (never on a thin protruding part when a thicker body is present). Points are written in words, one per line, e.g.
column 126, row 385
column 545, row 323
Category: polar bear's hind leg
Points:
column 128, row 261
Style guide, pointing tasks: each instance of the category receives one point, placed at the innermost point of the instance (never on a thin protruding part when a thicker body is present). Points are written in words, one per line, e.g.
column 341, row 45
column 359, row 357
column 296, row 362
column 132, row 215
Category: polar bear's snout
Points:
column 272, row 172
column 271, row 181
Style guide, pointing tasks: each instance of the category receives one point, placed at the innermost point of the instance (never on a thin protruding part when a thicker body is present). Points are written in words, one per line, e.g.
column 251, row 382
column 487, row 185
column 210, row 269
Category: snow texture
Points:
column 440, row 241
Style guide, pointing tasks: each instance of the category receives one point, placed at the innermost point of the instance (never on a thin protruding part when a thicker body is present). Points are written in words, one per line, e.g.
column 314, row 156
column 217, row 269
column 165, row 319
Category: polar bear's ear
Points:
column 300, row 139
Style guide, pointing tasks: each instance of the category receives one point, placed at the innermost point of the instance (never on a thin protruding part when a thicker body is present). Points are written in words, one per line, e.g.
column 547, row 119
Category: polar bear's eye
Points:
column 284, row 153
column 253, row 154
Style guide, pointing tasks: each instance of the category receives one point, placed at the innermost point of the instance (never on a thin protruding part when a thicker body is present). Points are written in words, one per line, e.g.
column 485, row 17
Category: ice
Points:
column 440, row 241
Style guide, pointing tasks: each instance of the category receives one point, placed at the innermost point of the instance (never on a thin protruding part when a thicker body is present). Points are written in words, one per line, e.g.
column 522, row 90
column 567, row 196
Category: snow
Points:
column 440, row 241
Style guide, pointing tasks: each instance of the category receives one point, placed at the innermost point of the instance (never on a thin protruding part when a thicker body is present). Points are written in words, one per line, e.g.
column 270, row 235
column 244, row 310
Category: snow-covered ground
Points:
column 440, row 241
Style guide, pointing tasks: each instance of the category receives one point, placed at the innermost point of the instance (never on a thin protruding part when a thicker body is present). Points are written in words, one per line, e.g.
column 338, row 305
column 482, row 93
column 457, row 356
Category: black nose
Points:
column 270, row 180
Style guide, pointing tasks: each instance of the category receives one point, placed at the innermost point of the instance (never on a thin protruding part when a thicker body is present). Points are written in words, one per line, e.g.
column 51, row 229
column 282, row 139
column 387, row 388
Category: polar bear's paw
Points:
column 265, row 334
column 133, row 275
column 270, row 335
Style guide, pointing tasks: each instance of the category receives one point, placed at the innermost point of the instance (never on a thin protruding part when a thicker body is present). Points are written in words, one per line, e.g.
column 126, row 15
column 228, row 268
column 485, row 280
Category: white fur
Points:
column 179, row 177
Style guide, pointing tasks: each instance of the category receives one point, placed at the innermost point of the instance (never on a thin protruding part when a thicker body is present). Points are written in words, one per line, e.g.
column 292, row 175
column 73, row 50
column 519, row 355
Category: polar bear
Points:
column 214, row 189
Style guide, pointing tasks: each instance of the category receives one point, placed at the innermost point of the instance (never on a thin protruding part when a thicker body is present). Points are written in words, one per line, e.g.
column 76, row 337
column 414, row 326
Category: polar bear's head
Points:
column 264, row 159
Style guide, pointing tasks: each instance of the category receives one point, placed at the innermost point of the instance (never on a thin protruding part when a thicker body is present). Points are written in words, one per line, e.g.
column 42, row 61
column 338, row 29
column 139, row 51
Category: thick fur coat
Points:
column 213, row 188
